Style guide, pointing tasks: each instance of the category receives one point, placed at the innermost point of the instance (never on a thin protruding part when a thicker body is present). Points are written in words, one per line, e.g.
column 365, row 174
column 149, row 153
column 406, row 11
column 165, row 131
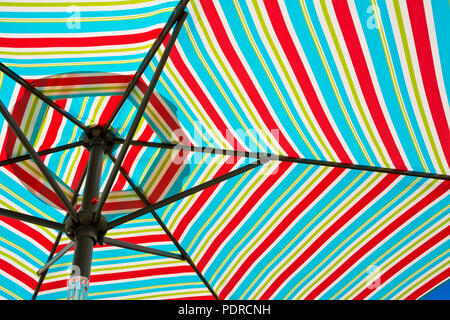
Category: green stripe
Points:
column 224, row 217
column 412, row 76
column 396, row 87
column 247, row 236
column 174, row 218
column 405, row 248
column 271, row 78
column 344, row 243
column 333, row 82
column 393, row 215
column 351, row 84
column 432, row 274
column 81, row 4
column 281, row 266
column 276, row 219
column 289, row 78
column 168, row 286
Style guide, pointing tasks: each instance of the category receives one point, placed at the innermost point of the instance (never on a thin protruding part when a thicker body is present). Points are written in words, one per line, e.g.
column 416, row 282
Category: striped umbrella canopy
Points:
column 271, row 149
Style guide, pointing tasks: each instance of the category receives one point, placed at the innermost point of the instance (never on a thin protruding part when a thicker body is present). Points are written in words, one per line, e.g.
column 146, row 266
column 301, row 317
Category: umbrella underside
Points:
column 323, row 126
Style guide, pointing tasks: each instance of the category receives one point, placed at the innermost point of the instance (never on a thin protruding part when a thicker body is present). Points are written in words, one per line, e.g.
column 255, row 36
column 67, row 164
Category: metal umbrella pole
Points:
column 87, row 232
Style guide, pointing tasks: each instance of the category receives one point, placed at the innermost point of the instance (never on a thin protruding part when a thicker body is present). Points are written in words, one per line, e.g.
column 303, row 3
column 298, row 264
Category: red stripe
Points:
column 202, row 199
column 82, row 163
column 365, row 81
column 203, row 99
column 328, row 233
column 18, row 274
column 279, row 231
column 35, row 184
column 132, row 156
column 169, row 121
column 168, row 176
column 127, row 275
column 17, row 113
column 210, row 297
column 26, row 229
column 81, row 42
column 53, row 285
column 54, row 126
column 380, row 236
column 70, row 80
column 252, row 201
column 284, row 37
column 141, row 273
column 122, row 205
column 239, row 69
column 430, row 285
column 107, row 111
column 427, row 69
column 423, row 248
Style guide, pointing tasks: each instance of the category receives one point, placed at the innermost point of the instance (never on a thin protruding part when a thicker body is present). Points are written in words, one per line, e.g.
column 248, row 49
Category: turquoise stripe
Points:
column 398, row 237
column 314, row 60
column 441, row 16
column 413, row 117
column 233, row 243
column 131, row 23
column 202, row 218
column 385, row 81
column 306, row 218
column 413, row 268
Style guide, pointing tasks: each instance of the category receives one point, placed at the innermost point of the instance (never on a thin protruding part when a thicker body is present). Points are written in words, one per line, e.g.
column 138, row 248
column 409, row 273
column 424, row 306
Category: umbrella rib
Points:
column 35, row 156
column 176, row 13
column 152, row 207
column 31, row 219
column 138, row 116
column 58, row 238
column 29, row 87
column 181, row 195
column 184, row 254
column 41, row 153
column 50, row 256
column 136, row 247
column 274, row 157
column 63, row 251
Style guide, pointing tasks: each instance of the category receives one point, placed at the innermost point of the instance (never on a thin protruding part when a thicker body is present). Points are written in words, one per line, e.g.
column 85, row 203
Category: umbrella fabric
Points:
column 354, row 82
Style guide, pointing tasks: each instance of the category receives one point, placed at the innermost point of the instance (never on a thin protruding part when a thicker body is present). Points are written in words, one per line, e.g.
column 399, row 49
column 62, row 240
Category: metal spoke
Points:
column 56, row 258
column 50, row 256
column 274, row 157
column 176, row 13
column 58, row 237
column 35, row 156
column 31, row 219
column 183, row 252
column 181, row 195
column 41, row 96
column 136, row 247
column 41, row 153
column 138, row 116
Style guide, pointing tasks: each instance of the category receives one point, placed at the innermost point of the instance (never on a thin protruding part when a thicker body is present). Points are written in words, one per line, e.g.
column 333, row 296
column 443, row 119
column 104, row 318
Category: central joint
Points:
column 90, row 222
column 96, row 135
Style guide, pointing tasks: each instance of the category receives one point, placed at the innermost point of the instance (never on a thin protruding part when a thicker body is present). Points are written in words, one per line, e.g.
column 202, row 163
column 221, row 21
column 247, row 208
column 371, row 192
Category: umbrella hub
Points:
column 96, row 135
